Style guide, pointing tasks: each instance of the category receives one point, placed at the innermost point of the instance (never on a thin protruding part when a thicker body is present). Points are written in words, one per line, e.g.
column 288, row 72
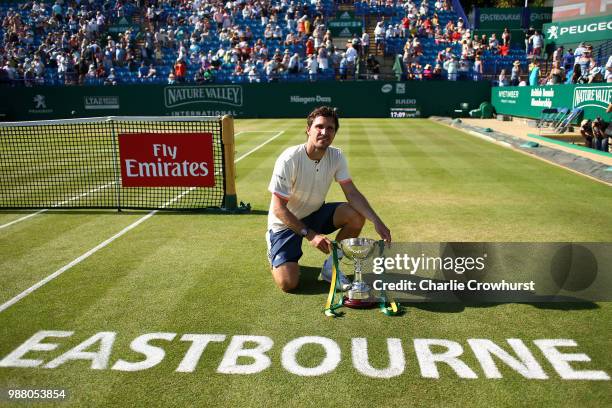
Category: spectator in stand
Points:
column 534, row 74
column 506, row 37
column 111, row 79
column 427, row 72
column 608, row 75
column 515, row 74
column 556, row 75
column 585, row 61
column 493, row 43
column 452, row 68
column 478, row 69
column 596, row 75
column 343, row 67
column 310, row 49
column 322, row 59
column 143, row 70
column 586, row 130
column 568, row 60
column 599, row 134
column 252, row 73
column 437, row 72
column 379, row 37
column 294, row 64
column 528, row 34
column 180, row 70
column 171, row 78
column 464, row 69
column 365, row 43
column 581, row 49
column 577, row 77
column 558, row 55
column 373, row 66
column 152, row 72
column 351, row 59
column 503, row 78
column 537, row 42
column 313, row 67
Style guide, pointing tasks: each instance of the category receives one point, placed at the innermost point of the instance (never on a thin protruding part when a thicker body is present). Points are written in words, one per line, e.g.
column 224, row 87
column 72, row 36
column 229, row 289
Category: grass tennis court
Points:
column 188, row 273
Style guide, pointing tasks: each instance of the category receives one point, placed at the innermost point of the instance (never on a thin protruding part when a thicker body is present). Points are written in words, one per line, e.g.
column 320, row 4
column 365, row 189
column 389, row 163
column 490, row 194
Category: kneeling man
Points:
column 301, row 179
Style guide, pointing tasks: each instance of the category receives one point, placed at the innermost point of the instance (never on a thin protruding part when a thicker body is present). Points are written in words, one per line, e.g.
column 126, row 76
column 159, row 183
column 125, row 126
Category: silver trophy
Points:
column 358, row 250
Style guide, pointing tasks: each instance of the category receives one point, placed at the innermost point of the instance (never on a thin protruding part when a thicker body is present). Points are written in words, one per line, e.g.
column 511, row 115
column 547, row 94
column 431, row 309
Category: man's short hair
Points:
column 325, row 111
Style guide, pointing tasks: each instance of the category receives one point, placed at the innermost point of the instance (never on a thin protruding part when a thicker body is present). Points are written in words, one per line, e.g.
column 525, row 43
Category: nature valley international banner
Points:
column 244, row 100
column 528, row 101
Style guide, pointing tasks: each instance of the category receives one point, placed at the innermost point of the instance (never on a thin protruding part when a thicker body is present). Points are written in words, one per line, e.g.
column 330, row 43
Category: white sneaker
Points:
column 326, row 273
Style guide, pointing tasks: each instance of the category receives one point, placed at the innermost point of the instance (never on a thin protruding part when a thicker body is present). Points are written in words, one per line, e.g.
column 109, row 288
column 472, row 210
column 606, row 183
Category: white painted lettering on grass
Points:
column 236, row 349
column 560, row 361
column 330, row 361
column 153, row 354
column 361, row 361
column 34, row 343
column 526, row 364
column 248, row 354
column 198, row 344
column 428, row 360
column 99, row 359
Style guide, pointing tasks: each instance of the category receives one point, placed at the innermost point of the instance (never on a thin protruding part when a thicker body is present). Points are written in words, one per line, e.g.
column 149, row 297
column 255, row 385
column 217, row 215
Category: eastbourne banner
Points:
column 513, row 18
column 168, row 160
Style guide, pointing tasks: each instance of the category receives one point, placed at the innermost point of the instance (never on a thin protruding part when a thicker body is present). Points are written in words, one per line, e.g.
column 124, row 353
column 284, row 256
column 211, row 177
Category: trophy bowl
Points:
column 358, row 250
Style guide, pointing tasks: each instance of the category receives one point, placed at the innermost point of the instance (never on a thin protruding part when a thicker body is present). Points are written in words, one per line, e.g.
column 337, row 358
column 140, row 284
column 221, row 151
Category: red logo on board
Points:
column 166, row 160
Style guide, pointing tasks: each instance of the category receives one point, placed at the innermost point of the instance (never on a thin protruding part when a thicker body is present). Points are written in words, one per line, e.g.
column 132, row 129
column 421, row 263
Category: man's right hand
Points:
column 319, row 241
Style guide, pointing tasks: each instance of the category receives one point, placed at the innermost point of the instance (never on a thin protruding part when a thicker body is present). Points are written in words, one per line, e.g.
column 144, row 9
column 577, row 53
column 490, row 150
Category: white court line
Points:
column 254, row 131
column 58, row 204
column 95, row 249
column 259, row 146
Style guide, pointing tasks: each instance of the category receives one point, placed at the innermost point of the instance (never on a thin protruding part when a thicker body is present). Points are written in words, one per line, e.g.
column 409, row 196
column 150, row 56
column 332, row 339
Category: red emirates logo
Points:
column 167, row 160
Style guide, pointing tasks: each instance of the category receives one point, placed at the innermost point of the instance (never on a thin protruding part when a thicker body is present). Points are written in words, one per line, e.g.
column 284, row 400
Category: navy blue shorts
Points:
column 286, row 245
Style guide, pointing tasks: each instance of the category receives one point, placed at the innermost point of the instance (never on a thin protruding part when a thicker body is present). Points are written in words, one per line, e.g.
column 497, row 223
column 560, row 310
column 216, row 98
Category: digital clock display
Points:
column 400, row 113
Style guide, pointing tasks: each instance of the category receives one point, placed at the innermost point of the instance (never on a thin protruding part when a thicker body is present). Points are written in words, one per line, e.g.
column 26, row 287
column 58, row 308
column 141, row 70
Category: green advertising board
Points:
column 538, row 16
column 499, row 18
column 274, row 100
column 345, row 25
column 123, row 25
column 529, row 101
column 575, row 31
column 345, row 28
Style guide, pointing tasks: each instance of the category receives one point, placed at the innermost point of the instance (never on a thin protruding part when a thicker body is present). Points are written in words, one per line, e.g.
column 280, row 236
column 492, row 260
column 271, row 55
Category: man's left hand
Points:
column 383, row 231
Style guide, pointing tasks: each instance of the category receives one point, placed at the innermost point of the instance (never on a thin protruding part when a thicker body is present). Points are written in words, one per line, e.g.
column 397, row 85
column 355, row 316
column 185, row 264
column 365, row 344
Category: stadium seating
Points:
column 178, row 12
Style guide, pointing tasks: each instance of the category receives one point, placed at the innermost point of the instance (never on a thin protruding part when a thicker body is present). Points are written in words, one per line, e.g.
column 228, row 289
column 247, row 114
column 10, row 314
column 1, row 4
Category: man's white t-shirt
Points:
column 304, row 182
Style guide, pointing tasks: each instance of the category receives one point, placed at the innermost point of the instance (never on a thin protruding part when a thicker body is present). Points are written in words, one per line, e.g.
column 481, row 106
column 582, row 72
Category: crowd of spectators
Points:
column 566, row 67
column 64, row 36
column 596, row 134
column 82, row 41
column 69, row 42
column 436, row 44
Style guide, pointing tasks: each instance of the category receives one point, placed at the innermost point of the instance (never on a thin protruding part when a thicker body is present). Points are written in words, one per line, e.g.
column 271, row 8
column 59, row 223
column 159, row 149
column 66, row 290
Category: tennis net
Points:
column 118, row 162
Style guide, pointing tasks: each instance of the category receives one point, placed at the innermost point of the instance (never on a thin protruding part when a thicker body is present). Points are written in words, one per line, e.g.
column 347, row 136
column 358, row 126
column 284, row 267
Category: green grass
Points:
column 194, row 273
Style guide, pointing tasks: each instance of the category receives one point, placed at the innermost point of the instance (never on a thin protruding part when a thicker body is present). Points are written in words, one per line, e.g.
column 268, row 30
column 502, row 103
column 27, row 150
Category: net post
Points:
column 230, row 200
column 116, row 171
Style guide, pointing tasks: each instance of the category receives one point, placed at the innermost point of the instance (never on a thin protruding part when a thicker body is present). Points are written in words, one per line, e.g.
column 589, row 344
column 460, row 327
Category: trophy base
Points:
column 368, row 303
